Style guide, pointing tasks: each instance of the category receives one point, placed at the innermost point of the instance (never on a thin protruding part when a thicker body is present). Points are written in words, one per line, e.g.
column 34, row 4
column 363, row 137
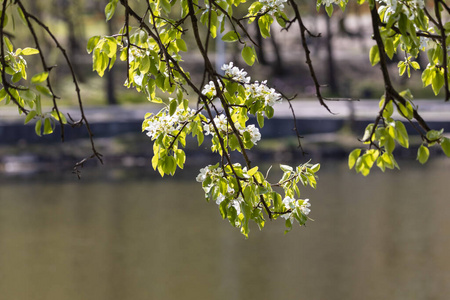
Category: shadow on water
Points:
column 126, row 234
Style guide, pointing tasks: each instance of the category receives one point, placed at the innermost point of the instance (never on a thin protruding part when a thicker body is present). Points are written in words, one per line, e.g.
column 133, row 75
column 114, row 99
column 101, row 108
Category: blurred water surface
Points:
column 122, row 236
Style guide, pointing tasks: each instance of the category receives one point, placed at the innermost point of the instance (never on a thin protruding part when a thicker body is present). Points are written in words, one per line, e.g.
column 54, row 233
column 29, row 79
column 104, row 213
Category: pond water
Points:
column 114, row 236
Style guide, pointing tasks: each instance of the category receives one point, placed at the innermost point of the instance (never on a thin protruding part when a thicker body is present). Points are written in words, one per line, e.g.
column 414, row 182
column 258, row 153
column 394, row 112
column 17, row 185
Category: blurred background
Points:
column 122, row 232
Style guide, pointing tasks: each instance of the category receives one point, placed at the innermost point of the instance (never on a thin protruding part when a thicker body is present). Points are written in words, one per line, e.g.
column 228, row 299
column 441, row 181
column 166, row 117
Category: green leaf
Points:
column 415, row 65
column 434, row 135
column 389, row 144
column 231, row 36
column 388, row 160
column 8, row 44
column 93, row 41
column 406, row 111
column 445, row 145
column 315, row 168
column 37, row 127
column 44, row 91
column 166, row 6
column 180, row 157
column 269, row 111
column 281, row 21
column 368, row 133
column 173, row 106
column 144, row 66
column 110, row 9
column 181, row 44
column 252, row 171
column 30, row 116
column 422, row 154
column 59, row 117
column 374, row 55
column 27, row 95
column 21, row 15
column 389, row 47
column 402, row 135
column 249, row 55
column 427, row 76
column 364, row 163
column 260, row 119
column 16, row 77
column 329, row 9
column 401, row 68
column 29, row 51
column 48, row 128
column 286, row 168
column 40, row 77
column 353, row 157
column 403, row 24
column 438, row 81
column 264, row 23
column 381, row 164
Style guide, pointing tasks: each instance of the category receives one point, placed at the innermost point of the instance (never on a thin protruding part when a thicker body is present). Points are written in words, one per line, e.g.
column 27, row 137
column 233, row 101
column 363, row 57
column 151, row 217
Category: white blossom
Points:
column 208, row 171
column 291, row 205
column 262, row 91
column 236, row 203
column 255, row 135
column 272, row 6
column 330, row 2
column 219, row 199
column 211, row 88
column 408, row 8
column 221, row 123
column 304, row 207
column 165, row 124
column 235, row 74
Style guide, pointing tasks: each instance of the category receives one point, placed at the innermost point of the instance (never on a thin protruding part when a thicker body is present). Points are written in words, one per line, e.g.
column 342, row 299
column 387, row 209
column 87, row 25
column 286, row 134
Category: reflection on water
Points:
column 382, row 237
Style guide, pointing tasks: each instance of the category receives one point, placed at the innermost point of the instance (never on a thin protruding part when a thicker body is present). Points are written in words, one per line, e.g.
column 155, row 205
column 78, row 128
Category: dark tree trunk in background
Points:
column 260, row 48
column 278, row 67
column 332, row 82
column 72, row 11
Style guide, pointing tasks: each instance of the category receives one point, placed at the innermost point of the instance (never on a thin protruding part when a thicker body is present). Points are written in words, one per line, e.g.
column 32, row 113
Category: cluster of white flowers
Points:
column 235, row 74
column 222, row 125
column 292, row 204
column 408, row 7
column 215, row 172
column 210, row 88
column 272, row 6
column 166, row 124
column 255, row 135
column 261, row 90
column 330, row 2
column 255, row 90
column 209, row 171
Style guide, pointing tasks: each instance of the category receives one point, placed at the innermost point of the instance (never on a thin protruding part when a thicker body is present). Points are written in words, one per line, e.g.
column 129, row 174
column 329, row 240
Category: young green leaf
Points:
column 48, row 128
column 40, row 77
column 37, row 127
column 29, row 51
column 231, row 36
column 110, row 9
column 252, row 171
column 353, row 157
column 249, row 55
column 445, row 145
column 422, row 154
column 374, row 55
column 30, row 116
column 181, row 44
